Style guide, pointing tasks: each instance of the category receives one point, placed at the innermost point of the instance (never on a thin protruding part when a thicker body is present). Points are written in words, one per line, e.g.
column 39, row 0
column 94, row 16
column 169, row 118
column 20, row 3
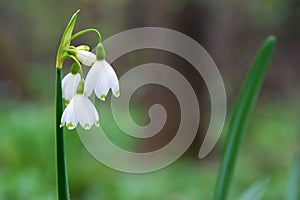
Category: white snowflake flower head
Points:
column 80, row 110
column 101, row 78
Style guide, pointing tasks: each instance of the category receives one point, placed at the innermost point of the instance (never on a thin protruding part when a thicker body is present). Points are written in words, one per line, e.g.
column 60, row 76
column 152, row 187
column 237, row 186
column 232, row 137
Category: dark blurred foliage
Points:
column 231, row 31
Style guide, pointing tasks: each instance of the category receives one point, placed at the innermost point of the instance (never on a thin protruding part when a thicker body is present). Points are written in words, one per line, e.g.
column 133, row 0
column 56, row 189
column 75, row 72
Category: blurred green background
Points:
column 231, row 31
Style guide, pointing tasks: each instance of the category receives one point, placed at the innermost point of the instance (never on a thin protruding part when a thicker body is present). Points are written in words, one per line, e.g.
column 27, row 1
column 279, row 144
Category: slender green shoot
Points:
column 241, row 116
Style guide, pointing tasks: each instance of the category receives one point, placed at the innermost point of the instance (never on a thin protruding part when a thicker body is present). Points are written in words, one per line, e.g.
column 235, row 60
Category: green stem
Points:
column 87, row 31
column 62, row 180
column 77, row 62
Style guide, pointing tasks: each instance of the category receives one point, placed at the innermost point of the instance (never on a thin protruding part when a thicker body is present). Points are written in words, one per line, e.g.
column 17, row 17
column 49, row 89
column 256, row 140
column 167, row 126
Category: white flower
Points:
column 86, row 57
column 81, row 110
column 101, row 78
column 69, row 86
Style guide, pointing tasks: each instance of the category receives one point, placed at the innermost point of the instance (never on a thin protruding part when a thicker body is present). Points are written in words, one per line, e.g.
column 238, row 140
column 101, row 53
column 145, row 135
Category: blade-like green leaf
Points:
column 241, row 116
column 65, row 40
column 256, row 191
column 292, row 192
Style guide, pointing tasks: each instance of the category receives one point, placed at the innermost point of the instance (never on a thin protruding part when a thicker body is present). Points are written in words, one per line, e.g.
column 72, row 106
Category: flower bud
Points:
column 83, row 47
column 86, row 57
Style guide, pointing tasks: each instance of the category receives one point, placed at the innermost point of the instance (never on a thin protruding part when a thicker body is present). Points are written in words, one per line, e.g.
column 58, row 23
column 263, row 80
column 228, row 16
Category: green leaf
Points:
column 241, row 116
column 65, row 40
column 292, row 192
column 256, row 191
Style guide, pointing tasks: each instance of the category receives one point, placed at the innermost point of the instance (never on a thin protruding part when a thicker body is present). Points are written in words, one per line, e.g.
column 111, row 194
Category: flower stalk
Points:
column 87, row 31
column 61, row 171
column 62, row 180
column 72, row 91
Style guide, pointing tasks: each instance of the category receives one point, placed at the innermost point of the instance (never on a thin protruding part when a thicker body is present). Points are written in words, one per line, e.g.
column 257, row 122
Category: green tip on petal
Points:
column 61, row 124
column 86, row 126
column 67, row 101
column 118, row 92
column 70, row 125
column 103, row 96
column 97, row 123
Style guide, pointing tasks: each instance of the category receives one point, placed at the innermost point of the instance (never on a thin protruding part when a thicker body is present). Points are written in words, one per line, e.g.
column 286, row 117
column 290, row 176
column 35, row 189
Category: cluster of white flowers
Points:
column 75, row 90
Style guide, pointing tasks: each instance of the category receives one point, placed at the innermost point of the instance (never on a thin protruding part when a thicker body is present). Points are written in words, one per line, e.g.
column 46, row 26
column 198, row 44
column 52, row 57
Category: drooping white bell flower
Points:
column 101, row 78
column 86, row 57
column 69, row 86
column 81, row 110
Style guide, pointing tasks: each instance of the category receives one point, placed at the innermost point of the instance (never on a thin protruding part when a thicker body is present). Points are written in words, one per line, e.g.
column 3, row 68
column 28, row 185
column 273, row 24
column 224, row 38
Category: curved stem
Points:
column 75, row 60
column 62, row 180
column 87, row 31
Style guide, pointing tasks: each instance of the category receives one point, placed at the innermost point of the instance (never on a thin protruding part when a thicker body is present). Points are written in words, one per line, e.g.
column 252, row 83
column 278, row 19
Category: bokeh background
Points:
column 231, row 31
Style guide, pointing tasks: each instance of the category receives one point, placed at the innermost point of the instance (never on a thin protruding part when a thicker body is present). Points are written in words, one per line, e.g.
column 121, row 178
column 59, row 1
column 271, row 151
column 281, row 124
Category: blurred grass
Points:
column 27, row 169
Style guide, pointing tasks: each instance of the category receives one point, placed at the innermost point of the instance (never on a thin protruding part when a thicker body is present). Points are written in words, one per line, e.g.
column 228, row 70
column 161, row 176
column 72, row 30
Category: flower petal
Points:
column 68, row 117
column 86, row 57
column 107, row 80
column 113, row 81
column 69, row 85
column 85, row 112
column 93, row 76
column 102, row 88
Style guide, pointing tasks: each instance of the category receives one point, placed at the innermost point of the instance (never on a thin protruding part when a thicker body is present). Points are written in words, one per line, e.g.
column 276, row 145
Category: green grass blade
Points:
column 241, row 116
column 292, row 192
column 256, row 191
